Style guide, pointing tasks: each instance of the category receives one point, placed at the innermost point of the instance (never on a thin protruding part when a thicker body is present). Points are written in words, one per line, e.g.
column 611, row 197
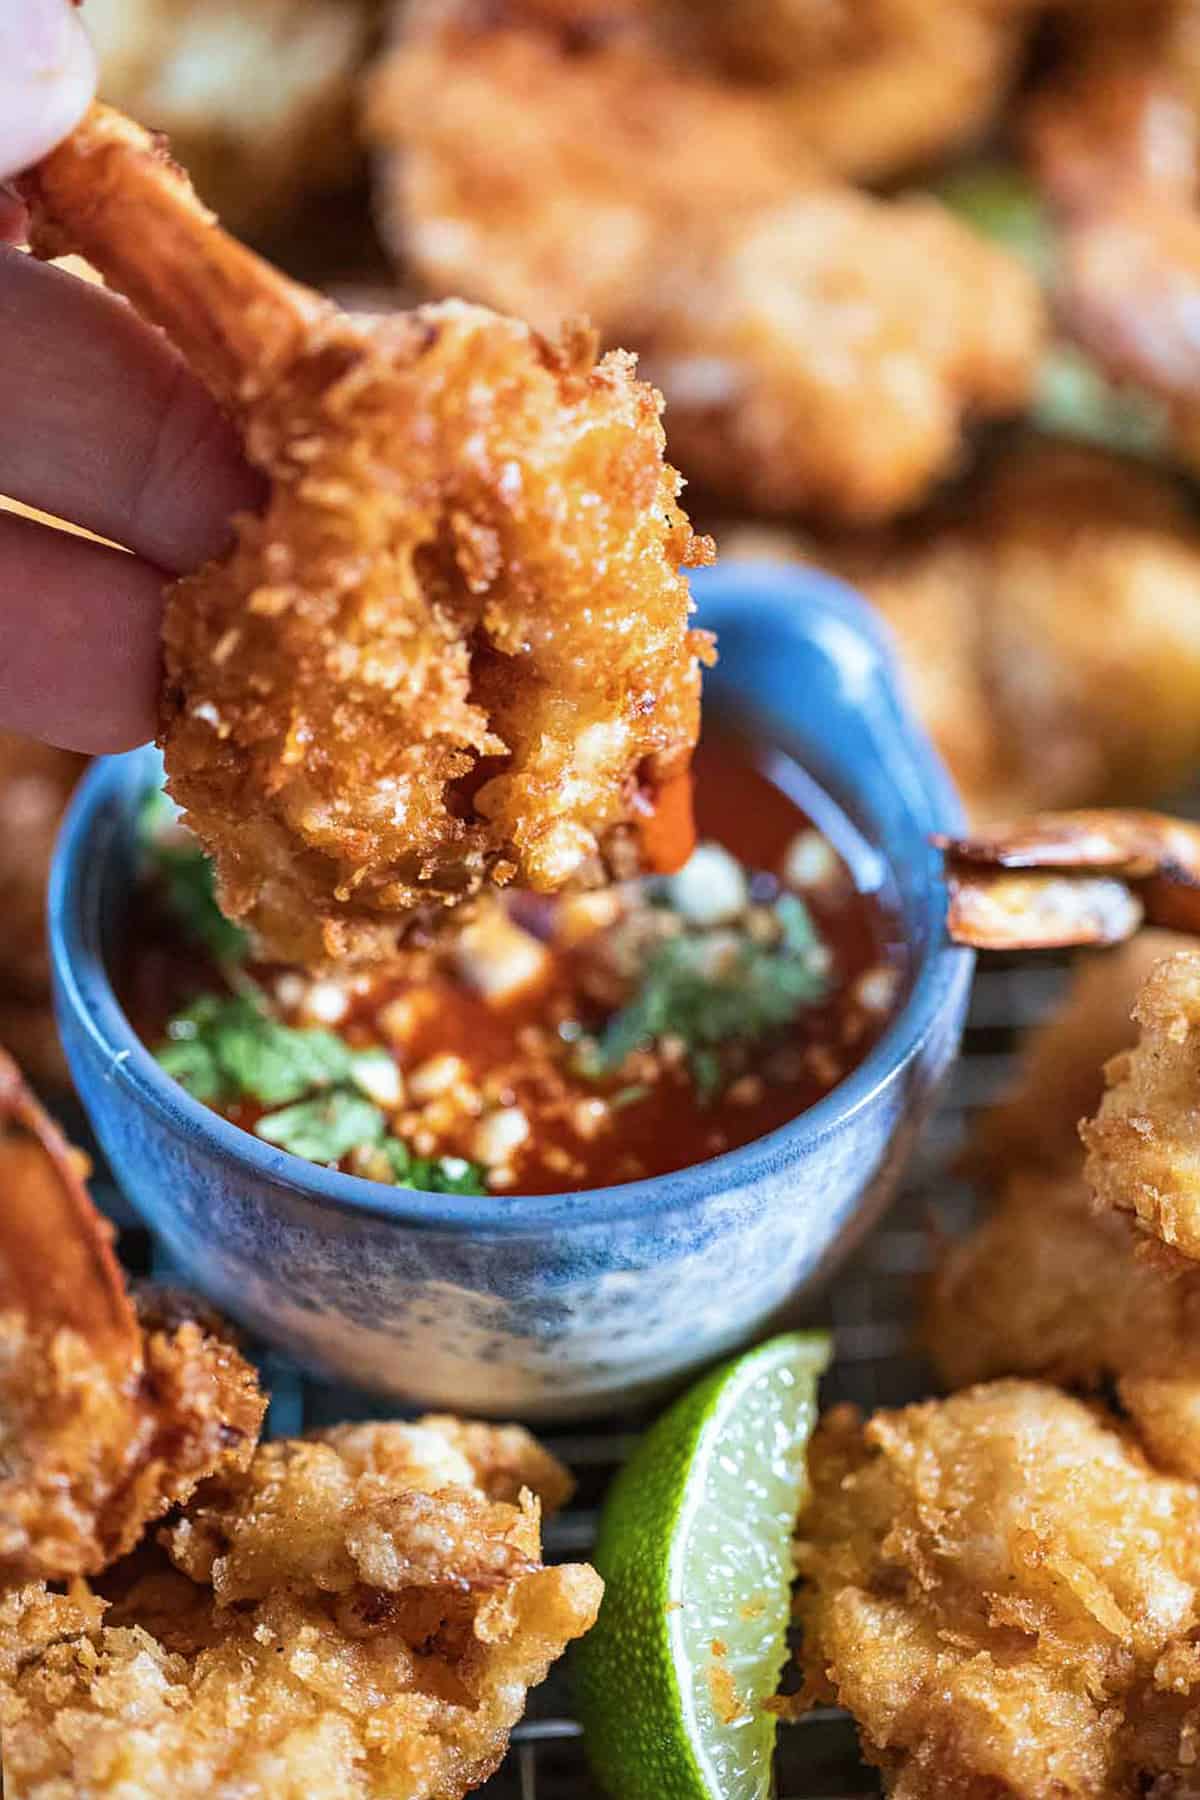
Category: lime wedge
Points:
column 695, row 1551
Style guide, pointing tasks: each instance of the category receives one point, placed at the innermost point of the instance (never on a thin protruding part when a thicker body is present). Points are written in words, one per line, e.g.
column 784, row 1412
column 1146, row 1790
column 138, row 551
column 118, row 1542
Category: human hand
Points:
column 102, row 425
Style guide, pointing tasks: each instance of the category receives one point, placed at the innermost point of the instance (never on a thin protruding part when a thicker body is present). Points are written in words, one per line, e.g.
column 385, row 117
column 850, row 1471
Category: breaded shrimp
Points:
column 1048, row 624
column 1144, row 1142
column 819, row 348
column 258, row 100
column 109, row 1415
column 1005, row 1595
column 1048, row 1284
column 454, row 649
column 343, row 1619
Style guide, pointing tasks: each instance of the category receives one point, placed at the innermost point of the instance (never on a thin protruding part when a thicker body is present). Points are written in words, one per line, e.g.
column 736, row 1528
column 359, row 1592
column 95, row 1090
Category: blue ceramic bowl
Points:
column 560, row 1305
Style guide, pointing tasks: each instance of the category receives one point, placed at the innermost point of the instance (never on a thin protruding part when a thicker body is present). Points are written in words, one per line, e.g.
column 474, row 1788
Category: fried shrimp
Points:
column 351, row 1618
column 1058, row 879
column 258, row 100
column 1144, row 1143
column 109, row 1415
column 454, row 649
column 1059, row 1075
column 1050, row 1285
column 1005, row 1595
column 819, row 348
column 871, row 88
column 1048, row 624
column 1115, row 142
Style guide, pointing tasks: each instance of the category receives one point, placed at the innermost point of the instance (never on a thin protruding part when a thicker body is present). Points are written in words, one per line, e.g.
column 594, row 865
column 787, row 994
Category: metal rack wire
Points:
column 868, row 1308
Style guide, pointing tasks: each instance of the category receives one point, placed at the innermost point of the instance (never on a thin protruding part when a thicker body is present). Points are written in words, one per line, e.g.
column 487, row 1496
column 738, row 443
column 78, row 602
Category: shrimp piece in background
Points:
column 819, row 349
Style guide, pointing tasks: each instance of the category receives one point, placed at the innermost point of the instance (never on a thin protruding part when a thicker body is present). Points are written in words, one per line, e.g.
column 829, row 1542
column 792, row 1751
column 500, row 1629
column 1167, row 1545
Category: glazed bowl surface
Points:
column 548, row 1306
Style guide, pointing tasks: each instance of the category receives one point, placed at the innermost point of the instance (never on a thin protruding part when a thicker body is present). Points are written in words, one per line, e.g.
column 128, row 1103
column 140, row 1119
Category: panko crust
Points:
column 1048, row 1284
column 1143, row 1146
column 1048, row 624
column 818, row 348
column 312, row 1627
column 1059, row 1074
column 1006, row 1596
column 453, row 649
column 1049, row 1287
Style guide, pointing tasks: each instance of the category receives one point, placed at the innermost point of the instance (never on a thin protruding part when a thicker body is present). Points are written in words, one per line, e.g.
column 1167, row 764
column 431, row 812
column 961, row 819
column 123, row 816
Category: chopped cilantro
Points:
column 433, row 1175
column 194, row 1067
column 224, row 1049
column 229, row 1048
column 712, row 987
column 188, row 881
column 326, row 1128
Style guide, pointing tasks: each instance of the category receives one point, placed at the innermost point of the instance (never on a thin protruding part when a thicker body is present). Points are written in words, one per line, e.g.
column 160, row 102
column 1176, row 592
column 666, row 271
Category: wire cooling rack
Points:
column 869, row 1309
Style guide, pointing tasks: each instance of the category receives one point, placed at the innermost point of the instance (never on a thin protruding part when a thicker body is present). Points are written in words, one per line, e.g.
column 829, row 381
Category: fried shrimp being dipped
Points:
column 359, row 1617
column 109, row 1413
column 454, row 648
column 1005, row 1595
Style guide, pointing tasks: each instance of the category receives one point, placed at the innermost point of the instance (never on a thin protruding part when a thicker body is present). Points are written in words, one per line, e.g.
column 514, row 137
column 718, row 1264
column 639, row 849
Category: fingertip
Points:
column 47, row 78
column 80, row 650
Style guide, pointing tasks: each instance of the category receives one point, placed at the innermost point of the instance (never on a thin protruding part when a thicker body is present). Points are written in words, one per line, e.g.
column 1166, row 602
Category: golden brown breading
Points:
column 455, row 647
column 871, row 88
column 1006, row 1596
column 1059, row 1077
column 319, row 1628
column 500, row 1460
column 258, row 100
column 1049, row 628
column 1047, row 1286
column 1144, row 1143
column 817, row 347
column 866, row 89
column 108, row 1416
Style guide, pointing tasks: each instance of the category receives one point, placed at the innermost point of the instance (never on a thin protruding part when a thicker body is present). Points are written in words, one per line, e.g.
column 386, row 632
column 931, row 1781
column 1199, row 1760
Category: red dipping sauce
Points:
column 509, row 1050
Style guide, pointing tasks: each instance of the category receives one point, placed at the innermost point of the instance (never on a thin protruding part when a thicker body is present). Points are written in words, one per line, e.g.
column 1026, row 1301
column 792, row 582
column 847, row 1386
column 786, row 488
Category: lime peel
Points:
column 695, row 1550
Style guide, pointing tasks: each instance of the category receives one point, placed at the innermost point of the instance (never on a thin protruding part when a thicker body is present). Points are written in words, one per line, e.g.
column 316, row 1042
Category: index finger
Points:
column 105, row 425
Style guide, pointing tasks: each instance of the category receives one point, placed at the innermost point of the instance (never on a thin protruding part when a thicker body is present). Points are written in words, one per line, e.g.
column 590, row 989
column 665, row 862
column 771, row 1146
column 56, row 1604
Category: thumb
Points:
column 47, row 78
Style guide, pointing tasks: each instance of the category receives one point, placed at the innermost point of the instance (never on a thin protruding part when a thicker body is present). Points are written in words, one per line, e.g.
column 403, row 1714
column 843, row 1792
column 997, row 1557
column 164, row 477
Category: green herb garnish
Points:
column 227, row 1049
column 188, row 881
column 224, row 1048
column 326, row 1128
column 710, row 988
column 433, row 1175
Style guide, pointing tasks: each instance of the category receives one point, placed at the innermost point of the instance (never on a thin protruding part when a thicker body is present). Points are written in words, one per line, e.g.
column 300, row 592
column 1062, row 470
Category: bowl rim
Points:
column 84, row 990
